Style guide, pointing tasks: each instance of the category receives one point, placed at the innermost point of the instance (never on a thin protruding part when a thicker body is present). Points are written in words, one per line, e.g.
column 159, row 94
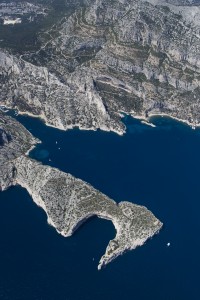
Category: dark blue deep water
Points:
column 156, row 167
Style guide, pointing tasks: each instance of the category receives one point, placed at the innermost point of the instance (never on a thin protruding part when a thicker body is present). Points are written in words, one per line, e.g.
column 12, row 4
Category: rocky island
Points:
column 68, row 201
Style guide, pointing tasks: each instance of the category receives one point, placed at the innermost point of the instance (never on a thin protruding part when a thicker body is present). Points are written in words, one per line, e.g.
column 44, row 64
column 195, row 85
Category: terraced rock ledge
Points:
column 69, row 201
column 107, row 57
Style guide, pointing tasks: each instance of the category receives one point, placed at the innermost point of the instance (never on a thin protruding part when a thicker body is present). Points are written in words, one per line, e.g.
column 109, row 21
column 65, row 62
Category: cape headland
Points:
column 69, row 201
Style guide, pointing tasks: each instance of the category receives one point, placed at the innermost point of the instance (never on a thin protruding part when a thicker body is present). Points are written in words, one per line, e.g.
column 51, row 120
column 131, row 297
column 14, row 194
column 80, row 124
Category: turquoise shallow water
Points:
column 156, row 167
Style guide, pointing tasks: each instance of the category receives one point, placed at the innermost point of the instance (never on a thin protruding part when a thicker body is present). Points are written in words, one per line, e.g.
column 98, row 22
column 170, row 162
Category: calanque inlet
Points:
column 69, row 201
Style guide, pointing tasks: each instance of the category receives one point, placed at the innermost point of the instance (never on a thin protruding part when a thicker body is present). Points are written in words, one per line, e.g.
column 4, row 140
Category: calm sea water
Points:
column 156, row 167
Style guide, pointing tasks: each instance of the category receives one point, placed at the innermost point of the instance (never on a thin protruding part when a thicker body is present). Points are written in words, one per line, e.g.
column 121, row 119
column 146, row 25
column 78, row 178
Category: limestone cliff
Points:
column 69, row 201
column 108, row 57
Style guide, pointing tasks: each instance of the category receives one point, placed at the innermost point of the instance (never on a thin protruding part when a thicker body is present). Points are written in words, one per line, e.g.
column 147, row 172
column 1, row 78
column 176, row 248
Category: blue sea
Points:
column 156, row 167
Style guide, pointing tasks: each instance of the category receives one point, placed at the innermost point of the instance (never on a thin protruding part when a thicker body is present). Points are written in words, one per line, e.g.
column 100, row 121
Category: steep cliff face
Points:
column 110, row 57
column 35, row 90
column 69, row 201
column 15, row 141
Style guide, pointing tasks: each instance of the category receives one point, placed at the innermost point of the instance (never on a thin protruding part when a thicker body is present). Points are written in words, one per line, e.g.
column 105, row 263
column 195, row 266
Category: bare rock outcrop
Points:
column 69, row 201
column 108, row 57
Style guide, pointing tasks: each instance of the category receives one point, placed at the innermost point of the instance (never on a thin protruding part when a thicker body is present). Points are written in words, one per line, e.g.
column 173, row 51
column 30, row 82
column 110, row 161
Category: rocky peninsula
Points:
column 69, row 201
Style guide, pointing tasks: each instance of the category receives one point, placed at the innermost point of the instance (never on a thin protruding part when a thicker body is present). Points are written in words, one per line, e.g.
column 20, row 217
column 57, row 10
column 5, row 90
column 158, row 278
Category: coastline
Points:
column 78, row 126
column 129, row 233
column 186, row 122
column 106, row 258
column 144, row 120
column 69, row 201
column 148, row 119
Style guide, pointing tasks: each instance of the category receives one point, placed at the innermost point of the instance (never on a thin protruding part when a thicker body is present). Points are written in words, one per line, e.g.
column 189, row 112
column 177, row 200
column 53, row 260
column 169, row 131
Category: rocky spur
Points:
column 69, row 201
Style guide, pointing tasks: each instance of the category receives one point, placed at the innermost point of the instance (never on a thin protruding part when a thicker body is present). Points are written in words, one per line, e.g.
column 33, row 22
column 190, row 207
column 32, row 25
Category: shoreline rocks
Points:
column 69, row 201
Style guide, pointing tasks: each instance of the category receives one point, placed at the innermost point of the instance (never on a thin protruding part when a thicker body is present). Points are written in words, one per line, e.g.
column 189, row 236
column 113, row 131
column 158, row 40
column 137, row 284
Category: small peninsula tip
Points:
column 69, row 201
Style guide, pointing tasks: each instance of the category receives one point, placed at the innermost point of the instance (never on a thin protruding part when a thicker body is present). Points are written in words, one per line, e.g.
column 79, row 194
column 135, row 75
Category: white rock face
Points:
column 69, row 201
column 74, row 103
column 189, row 12
column 8, row 21
column 15, row 140
column 110, row 57
column 12, row 12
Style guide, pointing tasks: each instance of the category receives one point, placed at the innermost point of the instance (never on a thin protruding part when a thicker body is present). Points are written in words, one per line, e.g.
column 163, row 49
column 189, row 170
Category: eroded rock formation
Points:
column 108, row 57
column 69, row 201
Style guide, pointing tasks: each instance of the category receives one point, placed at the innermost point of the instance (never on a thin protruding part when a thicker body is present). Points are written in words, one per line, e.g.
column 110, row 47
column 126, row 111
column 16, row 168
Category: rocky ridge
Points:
column 109, row 57
column 69, row 201
column 15, row 141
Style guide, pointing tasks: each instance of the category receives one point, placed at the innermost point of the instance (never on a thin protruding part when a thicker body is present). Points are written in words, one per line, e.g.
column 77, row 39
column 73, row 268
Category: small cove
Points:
column 156, row 167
